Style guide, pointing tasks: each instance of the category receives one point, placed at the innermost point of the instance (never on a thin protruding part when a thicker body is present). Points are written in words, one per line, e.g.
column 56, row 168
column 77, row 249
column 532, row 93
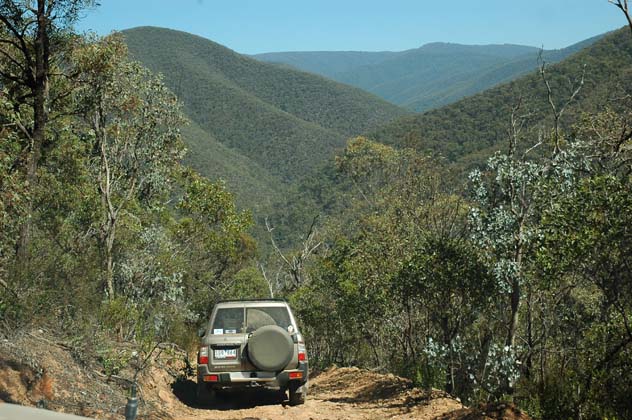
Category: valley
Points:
column 431, row 76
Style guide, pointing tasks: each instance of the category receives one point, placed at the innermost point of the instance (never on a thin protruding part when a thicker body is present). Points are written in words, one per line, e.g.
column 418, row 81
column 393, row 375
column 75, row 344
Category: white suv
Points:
column 252, row 343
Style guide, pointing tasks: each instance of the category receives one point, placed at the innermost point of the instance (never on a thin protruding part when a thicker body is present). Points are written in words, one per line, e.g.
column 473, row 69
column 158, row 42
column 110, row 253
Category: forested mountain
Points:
column 327, row 63
column 469, row 130
column 428, row 77
column 275, row 124
column 255, row 187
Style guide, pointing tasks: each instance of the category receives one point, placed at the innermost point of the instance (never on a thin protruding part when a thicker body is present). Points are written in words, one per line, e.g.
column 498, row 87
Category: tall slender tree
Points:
column 134, row 123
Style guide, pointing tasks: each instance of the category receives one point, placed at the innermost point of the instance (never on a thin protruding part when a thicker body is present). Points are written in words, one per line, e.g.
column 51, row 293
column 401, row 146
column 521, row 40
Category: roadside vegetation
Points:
column 499, row 272
column 104, row 231
column 512, row 282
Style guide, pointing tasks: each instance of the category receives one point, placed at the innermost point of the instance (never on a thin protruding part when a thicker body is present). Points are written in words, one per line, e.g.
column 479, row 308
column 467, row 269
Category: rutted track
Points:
column 338, row 393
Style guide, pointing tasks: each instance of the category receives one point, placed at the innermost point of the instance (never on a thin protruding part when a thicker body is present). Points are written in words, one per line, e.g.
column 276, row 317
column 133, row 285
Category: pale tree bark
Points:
column 520, row 207
column 623, row 6
column 295, row 264
column 272, row 285
column 110, row 210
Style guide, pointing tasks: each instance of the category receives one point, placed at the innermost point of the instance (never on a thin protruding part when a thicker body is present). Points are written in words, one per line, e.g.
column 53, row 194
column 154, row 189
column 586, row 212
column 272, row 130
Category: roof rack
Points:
column 252, row 300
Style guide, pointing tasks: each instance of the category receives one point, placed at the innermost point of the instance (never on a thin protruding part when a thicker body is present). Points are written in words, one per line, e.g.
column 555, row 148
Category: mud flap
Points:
column 298, row 393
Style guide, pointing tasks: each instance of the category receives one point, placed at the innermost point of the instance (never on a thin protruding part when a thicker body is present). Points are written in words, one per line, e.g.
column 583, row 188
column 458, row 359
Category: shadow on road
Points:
column 184, row 390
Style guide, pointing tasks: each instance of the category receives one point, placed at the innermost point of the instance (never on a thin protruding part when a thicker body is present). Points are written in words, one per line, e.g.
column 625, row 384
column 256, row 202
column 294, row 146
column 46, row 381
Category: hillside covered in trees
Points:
column 463, row 135
column 427, row 77
column 283, row 121
column 470, row 130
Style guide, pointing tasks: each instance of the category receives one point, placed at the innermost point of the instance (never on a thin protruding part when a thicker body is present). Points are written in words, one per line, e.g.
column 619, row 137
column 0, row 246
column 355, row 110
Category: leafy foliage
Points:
column 114, row 214
column 515, row 286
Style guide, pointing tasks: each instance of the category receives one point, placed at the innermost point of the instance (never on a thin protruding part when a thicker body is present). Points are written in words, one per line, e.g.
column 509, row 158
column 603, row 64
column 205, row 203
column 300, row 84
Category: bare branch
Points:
column 12, row 60
column 557, row 115
column 535, row 146
column 274, row 244
column 23, row 47
column 265, row 277
column 296, row 266
column 623, row 5
column 574, row 92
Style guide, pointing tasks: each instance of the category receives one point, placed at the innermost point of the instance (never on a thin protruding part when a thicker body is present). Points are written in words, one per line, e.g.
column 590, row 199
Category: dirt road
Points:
column 345, row 393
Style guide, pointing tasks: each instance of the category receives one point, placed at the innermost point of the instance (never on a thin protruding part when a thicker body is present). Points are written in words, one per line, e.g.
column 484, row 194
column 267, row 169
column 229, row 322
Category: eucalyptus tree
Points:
column 505, row 224
column 212, row 237
column 134, row 123
column 35, row 38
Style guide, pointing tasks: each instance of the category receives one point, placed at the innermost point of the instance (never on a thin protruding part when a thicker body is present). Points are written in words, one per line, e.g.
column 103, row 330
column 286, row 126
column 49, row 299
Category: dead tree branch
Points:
column 557, row 114
column 295, row 264
column 623, row 6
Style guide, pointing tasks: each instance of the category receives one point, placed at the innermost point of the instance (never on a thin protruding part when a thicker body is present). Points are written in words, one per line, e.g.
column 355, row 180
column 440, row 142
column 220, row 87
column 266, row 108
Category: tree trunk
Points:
column 515, row 292
column 513, row 327
column 110, row 213
column 109, row 259
column 40, row 119
column 447, row 341
column 514, row 307
column 530, row 340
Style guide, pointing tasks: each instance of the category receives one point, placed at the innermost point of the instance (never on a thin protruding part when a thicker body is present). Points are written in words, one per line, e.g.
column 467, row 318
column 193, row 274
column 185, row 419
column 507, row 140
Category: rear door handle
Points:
column 220, row 345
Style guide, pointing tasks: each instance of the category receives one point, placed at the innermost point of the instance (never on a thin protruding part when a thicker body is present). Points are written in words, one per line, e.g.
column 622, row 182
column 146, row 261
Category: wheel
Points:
column 297, row 394
column 205, row 396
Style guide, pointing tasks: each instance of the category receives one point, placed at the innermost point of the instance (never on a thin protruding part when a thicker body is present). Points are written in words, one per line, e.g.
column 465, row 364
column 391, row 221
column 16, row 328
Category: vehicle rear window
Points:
column 228, row 321
column 260, row 317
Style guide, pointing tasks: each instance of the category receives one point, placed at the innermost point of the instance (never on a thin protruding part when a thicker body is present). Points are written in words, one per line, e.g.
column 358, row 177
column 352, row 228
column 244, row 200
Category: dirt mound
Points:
column 21, row 384
column 380, row 395
column 36, row 370
column 498, row 410
column 158, row 383
column 358, row 385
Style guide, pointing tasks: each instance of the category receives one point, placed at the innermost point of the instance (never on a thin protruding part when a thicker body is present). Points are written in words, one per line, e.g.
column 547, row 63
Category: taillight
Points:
column 203, row 356
column 211, row 378
column 296, row 375
column 302, row 353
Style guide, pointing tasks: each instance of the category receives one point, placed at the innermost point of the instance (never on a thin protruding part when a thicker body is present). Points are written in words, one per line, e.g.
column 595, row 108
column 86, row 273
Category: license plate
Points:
column 225, row 354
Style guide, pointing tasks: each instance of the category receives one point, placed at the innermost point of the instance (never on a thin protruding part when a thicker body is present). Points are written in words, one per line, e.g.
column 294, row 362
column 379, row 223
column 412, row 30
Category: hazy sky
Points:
column 254, row 26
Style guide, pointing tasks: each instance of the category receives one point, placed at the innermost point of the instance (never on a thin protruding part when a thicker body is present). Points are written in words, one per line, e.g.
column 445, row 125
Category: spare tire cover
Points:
column 270, row 348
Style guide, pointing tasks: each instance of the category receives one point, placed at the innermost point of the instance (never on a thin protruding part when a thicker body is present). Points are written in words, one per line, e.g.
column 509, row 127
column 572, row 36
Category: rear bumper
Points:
column 275, row 380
